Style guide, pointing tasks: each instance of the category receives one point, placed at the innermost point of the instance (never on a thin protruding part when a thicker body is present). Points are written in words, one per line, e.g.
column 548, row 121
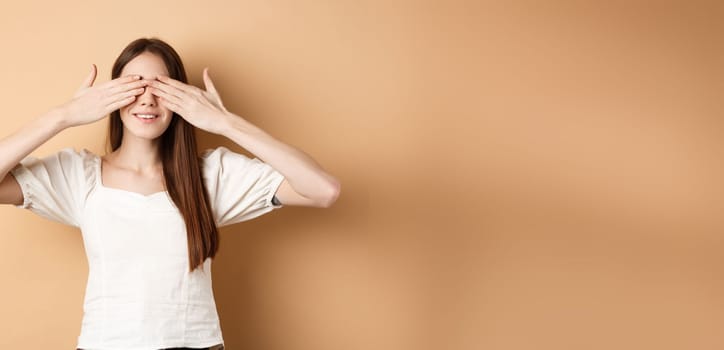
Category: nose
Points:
column 147, row 98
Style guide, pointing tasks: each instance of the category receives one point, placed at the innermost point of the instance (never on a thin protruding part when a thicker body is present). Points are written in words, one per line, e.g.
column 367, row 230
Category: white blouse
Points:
column 140, row 294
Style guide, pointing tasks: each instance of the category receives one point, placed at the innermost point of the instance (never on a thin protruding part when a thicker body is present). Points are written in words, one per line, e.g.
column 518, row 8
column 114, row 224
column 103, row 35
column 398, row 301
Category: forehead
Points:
column 147, row 65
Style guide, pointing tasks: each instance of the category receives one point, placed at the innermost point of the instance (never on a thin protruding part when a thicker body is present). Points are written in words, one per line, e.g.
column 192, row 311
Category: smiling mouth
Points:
column 146, row 116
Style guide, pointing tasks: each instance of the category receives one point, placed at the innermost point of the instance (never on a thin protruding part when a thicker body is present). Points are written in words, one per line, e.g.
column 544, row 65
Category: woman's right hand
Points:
column 92, row 103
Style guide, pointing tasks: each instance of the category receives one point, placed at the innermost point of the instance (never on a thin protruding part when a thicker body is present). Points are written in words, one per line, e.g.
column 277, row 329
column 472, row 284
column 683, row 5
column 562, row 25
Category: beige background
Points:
column 515, row 175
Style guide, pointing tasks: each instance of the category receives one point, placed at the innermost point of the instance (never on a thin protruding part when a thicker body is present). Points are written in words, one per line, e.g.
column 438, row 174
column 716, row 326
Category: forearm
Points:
column 304, row 174
column 21, row 143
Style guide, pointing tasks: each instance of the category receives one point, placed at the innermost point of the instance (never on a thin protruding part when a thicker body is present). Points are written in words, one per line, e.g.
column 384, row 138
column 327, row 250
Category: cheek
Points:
column 124, row 111
column 167, row 111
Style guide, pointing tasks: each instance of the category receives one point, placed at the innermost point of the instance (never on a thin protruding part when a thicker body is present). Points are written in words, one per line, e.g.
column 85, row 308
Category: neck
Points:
column 137, row 153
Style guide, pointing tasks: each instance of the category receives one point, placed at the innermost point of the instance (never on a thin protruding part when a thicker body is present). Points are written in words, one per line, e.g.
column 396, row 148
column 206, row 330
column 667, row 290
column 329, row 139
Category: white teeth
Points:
column 146, row 116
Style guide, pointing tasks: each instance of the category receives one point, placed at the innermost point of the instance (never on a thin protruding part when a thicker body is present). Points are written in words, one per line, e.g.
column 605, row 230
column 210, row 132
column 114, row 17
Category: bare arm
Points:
column 90, row 104
column 19, row 145
column 305, row 183
column 24, row 141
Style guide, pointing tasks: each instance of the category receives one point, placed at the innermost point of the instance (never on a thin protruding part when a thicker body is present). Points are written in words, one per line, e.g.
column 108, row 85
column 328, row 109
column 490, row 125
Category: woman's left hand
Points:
column 202, row 108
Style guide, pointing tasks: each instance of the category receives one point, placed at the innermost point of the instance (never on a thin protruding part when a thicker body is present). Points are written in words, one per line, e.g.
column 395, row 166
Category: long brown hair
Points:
column 177, row 149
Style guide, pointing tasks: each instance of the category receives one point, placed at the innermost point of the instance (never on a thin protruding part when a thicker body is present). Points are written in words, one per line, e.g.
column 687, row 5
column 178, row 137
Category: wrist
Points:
column 233, row 125
column 57, row 119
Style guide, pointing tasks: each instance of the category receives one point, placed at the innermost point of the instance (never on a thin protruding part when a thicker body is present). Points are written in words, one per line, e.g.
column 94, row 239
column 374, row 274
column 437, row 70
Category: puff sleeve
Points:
column 239, row 188
column 55, row 186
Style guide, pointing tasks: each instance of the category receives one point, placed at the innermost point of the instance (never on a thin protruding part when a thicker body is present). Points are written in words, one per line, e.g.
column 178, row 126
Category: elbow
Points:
column 331, row 195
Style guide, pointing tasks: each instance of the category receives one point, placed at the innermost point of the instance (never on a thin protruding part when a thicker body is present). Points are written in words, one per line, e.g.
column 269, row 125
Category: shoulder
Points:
column 83, row 157
column 68, row 157
column 73, row 153
column 218, row 152
column 223, row 163
column 222, row 156
column 213, row 152
column 82, row 161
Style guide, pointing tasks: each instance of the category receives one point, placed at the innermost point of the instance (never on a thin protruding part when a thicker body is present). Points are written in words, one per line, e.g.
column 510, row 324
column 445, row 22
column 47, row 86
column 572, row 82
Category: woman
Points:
column 149, row 210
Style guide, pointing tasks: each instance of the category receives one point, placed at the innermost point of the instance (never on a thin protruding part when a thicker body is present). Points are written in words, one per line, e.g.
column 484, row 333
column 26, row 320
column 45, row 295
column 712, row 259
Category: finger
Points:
column 120, row 81
column 166, row 96
column 169, row 89
column 177, row 84
column 211, row 93
column 170, row 105
column 120, row 104
column 128, row 86
column 91, row 78
column 208, row 83
column 125, row 94
column 112, row 101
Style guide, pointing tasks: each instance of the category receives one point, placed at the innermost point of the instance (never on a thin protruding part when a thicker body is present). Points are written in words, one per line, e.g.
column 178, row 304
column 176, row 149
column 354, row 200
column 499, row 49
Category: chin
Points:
column 144, row 134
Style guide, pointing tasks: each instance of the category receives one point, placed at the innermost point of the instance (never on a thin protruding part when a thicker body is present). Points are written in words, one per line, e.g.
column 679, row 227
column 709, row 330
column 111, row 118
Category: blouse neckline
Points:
column 99, row 181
